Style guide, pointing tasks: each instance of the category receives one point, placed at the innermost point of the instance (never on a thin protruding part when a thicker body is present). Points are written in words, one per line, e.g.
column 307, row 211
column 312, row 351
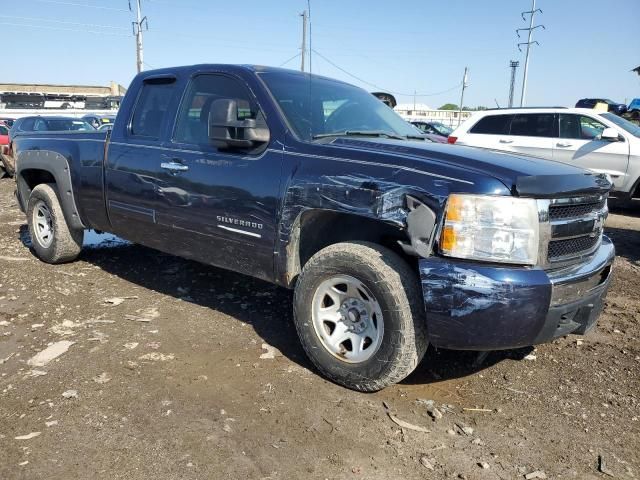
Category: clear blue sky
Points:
column 588, row 48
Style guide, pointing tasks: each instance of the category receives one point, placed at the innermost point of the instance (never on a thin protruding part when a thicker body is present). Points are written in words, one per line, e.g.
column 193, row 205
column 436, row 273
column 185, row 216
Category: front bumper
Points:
column 470, row 306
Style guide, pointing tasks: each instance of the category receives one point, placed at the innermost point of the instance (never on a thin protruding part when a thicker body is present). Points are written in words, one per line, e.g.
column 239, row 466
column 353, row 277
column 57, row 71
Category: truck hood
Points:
column 523, row 175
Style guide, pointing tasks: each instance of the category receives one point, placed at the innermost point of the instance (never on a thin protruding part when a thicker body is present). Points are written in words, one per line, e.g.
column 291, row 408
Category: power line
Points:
column 289, row 60
column 63, row 22
column 382, row 88
column 62, row 29
column 73, row 4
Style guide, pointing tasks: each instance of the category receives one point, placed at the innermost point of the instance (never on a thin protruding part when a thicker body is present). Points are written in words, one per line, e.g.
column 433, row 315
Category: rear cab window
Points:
column 151, row 108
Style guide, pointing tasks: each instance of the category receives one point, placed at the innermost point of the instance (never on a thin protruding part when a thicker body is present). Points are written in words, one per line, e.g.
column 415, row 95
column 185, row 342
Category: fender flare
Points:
column 57, row 166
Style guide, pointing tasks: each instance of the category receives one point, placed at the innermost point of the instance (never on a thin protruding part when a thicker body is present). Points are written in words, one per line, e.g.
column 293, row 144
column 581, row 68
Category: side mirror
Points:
column 226, row 131
column 610, row 134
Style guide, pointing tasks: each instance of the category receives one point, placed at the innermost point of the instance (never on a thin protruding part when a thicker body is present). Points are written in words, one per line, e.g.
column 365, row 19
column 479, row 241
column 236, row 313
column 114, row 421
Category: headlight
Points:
column 491, row 228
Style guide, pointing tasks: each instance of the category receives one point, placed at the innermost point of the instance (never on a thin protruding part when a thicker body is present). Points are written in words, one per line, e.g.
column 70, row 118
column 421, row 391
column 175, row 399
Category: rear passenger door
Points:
column 491, row 131
column 132, row 173
column 532, row 134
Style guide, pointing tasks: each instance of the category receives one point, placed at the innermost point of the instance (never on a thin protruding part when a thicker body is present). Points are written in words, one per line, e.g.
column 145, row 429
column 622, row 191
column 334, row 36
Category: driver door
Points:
column 580, row 145
column 218, row 205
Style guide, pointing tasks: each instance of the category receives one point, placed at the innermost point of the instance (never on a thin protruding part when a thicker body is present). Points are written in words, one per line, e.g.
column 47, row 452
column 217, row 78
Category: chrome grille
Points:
column 559, row 249
column 559, row 212
column 570, row 229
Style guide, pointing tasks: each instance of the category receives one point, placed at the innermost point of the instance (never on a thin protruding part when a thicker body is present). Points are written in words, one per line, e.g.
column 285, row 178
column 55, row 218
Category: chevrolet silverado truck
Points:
column 390, row 242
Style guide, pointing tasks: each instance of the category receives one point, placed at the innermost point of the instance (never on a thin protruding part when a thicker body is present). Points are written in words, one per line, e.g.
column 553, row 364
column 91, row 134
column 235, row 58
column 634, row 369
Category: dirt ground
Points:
column 198, row 374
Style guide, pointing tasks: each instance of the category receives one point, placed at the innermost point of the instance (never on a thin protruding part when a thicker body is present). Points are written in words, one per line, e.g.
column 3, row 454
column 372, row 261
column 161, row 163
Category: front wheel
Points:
column 359, row 313
column 52, row 239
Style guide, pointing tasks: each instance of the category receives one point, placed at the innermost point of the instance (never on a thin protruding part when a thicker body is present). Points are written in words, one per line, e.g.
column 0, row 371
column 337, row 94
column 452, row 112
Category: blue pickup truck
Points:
column 391, row 243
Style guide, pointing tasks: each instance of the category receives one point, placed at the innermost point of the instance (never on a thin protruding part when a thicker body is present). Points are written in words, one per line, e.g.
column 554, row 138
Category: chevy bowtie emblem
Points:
column 598, row 223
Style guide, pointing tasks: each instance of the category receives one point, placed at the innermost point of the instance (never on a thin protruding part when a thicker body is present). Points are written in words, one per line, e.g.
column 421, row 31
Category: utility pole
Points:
column 303, row 47
column 464, row 85
column 532, row 14
column 514, row 65
column 137, row 32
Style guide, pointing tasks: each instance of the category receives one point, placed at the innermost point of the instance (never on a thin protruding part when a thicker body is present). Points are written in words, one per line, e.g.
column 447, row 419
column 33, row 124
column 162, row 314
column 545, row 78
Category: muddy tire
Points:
column 51, row 237
column 359, row 313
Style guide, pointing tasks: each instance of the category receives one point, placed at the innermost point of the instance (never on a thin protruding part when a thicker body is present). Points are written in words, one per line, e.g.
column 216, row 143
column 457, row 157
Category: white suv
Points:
column 598, row 141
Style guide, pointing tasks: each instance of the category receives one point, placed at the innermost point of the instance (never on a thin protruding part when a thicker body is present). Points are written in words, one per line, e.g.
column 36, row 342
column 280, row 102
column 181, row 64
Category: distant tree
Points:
column 449, row 106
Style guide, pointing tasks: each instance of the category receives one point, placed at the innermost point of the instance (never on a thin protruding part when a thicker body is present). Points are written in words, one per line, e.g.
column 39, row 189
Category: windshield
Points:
column 442, row 129
column 68, row 125
column 4, row 130
column 320, row 107
column 626, row 125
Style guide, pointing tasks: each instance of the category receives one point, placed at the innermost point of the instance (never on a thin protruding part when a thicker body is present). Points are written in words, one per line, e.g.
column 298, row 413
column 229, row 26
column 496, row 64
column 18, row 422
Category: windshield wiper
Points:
column 361, row 133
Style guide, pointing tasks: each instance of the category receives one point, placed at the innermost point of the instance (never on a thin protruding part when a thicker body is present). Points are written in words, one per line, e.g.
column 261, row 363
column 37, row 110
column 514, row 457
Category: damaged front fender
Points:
column 405, row 208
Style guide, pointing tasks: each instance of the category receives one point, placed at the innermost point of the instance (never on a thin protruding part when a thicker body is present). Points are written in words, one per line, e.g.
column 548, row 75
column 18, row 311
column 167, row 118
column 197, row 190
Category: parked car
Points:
column 634, row 109
column 98, row 120
column 40, row 124
column 390, row 243
column 7, row 121
column 4, row 146
column 433, row 128
column 600, row 142
column 50, row 124
column 614, row 107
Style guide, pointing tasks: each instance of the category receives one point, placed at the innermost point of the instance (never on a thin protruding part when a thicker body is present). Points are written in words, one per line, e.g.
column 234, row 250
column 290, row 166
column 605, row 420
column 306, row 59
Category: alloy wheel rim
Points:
column 347, row 319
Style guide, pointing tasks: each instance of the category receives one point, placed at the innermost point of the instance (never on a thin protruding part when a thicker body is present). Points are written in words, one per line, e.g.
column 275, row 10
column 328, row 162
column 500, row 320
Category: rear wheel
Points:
column 359, row 314
column 51, row 237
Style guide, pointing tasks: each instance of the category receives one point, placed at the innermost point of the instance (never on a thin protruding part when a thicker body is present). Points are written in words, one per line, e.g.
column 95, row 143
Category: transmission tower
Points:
column 528, row 43
column 514, row 65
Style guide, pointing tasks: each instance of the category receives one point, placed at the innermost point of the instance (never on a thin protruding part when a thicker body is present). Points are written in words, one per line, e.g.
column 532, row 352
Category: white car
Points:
column 597, row 141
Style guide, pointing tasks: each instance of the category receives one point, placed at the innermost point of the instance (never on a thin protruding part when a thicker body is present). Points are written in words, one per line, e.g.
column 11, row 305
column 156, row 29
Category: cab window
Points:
column 151, row 108
column 193, row 119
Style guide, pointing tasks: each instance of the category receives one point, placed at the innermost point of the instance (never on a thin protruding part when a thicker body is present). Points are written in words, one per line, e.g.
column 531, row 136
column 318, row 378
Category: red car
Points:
column 4, row 135
column 4, row 146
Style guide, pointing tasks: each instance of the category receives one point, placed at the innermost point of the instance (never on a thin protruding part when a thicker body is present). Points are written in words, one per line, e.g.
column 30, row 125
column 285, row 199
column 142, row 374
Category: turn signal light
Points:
column 451, row 139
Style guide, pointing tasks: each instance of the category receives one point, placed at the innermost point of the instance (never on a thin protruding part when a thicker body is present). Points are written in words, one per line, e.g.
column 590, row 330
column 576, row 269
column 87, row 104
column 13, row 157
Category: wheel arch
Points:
column 410, row 236
column 35, row 167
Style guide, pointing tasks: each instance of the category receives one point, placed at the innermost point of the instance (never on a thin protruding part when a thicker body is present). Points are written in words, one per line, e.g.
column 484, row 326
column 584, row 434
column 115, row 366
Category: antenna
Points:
column 528, row 43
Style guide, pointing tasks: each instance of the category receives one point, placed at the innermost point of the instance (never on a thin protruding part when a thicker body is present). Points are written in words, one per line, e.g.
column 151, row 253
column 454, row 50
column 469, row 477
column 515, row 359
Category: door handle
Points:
column 505, row 140
column 174, row 166
column 563, row 144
